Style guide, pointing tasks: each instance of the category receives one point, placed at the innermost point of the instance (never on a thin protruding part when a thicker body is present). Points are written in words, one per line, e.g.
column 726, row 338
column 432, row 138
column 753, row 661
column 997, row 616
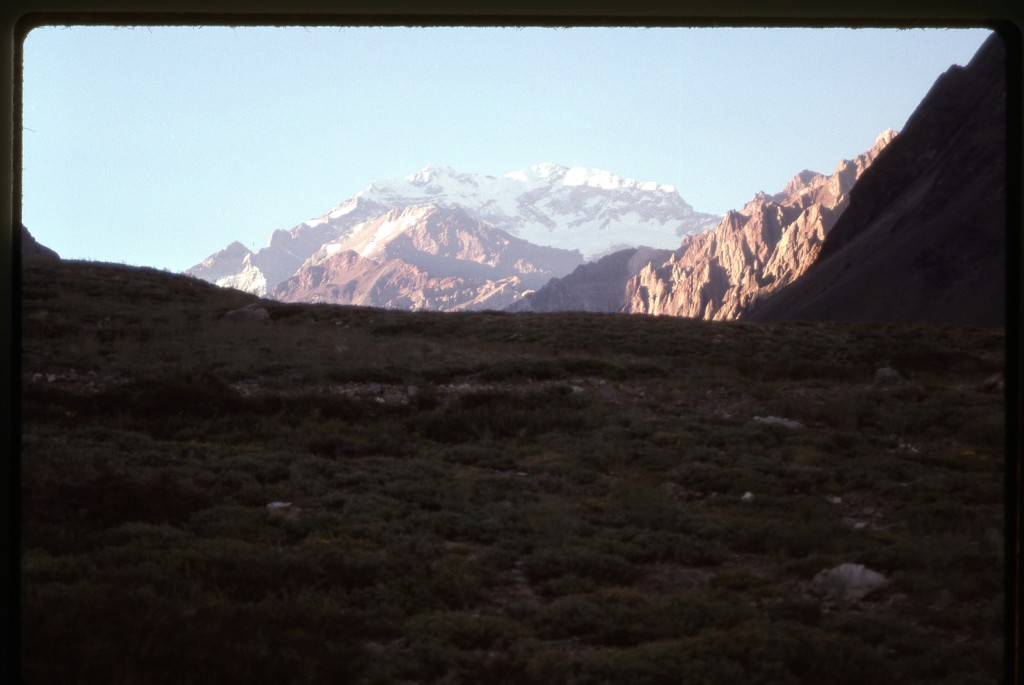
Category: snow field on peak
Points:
column 390, row 228
column 598, row 178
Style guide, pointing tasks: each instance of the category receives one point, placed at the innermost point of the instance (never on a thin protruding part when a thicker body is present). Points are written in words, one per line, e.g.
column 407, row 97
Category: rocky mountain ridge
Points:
column 719, row 273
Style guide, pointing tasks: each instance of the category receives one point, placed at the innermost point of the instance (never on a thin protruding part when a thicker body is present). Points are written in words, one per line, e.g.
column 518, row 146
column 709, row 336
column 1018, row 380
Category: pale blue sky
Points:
column 158, row 146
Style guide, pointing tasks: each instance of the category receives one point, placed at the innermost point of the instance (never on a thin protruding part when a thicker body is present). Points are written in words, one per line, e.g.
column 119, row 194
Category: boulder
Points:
column 251, row 313
column 847, row 583
column 887, row 376
column 778, row 421
column 284, row 510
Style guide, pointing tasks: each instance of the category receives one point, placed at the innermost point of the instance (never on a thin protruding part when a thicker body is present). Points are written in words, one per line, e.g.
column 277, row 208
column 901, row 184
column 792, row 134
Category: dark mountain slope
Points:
column 598, row 286
column 33, row 249
column 924, row 236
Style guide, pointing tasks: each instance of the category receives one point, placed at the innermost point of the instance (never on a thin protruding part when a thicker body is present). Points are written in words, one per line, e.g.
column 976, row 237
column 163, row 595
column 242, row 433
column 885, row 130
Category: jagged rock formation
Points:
column 924, row 236
column 425, row 257
column 593, row 287
column 765, row 245
column 548, row 204
column 33, row 249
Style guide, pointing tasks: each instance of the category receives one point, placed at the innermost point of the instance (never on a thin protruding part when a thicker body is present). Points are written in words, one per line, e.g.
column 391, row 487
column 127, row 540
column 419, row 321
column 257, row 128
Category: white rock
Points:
column 848, row 582
column 283, row 509
column 747, row 496
column 778, row 421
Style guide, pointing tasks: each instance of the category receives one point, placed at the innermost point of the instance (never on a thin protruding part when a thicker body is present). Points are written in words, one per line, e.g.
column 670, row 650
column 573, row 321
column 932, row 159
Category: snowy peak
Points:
column 549, row 204
column 555, row 174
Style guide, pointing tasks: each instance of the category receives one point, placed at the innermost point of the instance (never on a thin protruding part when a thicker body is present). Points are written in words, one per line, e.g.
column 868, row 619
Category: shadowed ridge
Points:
column 924, row 236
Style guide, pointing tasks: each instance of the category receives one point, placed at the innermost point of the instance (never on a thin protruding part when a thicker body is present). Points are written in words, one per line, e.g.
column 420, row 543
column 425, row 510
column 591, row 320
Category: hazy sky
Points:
column 158, row 146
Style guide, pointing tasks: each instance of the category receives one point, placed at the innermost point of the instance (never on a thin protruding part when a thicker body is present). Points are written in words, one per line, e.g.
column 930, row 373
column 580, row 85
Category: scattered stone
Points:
column 37, row 378
column 374, row 388
column 51, row 378
column 994, row 383
column 907, row 447
column 412, row 391
column 887, row 376
column 834, row 500
column 250, row 313
column 847, row 583
column 576, row 389
column 747, row 497
column 778, row 421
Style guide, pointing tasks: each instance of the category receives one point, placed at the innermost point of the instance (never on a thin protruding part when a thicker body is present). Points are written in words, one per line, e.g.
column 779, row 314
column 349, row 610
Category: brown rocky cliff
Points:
column 766, row 245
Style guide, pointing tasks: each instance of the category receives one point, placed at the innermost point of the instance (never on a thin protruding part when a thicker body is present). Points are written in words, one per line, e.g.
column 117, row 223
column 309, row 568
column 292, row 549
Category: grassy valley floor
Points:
column 497, row 498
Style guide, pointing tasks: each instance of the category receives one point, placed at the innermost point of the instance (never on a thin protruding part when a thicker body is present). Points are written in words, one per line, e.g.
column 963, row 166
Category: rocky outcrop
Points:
column 593, row 287
column 924, row 236
column 32, row 249
column 425, row 257
column 765, row 245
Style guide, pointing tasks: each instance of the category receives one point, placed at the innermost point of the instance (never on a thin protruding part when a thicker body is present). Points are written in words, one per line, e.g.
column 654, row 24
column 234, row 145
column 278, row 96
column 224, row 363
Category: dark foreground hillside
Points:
column 499, row 498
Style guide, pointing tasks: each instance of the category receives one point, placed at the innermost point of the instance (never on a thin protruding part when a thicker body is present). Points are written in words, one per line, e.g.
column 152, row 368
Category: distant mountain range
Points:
column 587, row 212
column 924, row 237
column 913, row 229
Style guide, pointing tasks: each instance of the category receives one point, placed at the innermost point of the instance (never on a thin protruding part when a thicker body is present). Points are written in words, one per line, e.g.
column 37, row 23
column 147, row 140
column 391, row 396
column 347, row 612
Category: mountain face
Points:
column 767, row 244
column 719, row 273
column 923, row 238
column 569, row 208
column 598, row 286
column 425, row 257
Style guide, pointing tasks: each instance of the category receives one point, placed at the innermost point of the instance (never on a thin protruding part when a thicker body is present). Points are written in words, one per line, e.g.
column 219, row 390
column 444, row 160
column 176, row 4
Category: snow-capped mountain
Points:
column 589, row 210
column 425, row 257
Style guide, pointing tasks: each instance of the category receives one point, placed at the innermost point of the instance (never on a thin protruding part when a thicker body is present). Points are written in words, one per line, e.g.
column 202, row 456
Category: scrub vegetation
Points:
column 496, row 498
